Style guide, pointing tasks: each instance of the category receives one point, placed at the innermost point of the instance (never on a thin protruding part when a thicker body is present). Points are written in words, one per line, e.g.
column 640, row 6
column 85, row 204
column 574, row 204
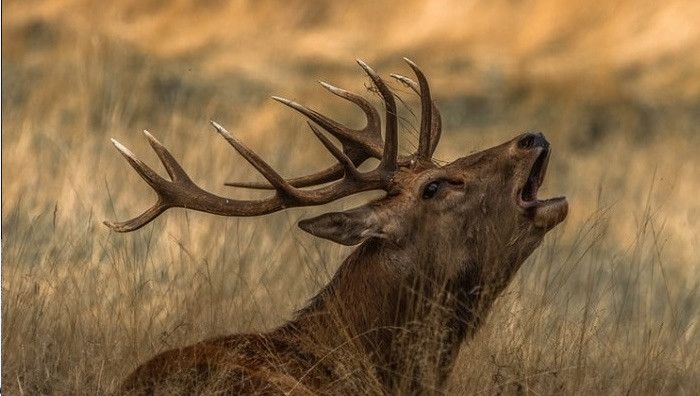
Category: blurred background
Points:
column 612, row 297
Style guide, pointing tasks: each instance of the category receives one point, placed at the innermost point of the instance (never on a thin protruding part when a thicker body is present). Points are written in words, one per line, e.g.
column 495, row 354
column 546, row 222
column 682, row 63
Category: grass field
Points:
column 608, row 305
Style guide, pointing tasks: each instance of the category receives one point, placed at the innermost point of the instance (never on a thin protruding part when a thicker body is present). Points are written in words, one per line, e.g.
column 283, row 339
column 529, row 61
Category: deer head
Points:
column 460, row 230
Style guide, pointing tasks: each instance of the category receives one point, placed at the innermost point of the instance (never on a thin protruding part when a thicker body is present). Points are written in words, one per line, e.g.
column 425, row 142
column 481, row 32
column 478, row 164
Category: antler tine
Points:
column 435, row 130
column 143, row 170
column 341, row 132
column 426, row 113
column 282, row 186
column 347, row 164
column 389, row 161
column 137, row 222
column 359, row 144
column 330, row 174
column 372, row 138
column 152, row 178
column 431, row 123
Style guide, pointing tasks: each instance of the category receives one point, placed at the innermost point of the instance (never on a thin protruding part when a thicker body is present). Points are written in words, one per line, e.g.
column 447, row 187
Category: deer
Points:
column 434, row 254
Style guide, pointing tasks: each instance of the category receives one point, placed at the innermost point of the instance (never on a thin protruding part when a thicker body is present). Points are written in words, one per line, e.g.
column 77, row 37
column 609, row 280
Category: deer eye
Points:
column 431, row 189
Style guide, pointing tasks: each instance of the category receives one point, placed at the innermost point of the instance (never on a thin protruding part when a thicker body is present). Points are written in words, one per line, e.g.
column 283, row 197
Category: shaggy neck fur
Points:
column 407, row 319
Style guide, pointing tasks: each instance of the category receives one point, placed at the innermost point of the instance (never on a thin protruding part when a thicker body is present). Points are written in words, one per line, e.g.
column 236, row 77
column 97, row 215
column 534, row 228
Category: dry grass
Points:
column 608, row 305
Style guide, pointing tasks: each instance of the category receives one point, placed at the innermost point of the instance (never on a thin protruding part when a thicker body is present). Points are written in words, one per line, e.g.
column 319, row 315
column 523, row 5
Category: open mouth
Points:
column 528, row 193
column 545, row 213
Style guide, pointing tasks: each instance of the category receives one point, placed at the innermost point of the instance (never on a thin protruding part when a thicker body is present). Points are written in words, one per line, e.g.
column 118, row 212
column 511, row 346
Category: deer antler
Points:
column 358, row 146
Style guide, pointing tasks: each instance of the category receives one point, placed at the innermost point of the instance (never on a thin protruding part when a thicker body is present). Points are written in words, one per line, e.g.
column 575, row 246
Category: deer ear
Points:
column 348, row 228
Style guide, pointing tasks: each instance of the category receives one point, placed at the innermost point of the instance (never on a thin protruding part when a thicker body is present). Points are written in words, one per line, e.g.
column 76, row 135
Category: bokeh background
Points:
column 609, row 304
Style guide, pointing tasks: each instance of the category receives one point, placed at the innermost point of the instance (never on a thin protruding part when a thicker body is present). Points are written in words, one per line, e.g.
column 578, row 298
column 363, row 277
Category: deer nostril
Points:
column 531, row 140
column 527, row 141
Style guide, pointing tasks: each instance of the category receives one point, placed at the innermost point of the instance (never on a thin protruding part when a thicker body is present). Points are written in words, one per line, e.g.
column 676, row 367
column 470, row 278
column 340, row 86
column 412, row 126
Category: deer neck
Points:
column 409, row 322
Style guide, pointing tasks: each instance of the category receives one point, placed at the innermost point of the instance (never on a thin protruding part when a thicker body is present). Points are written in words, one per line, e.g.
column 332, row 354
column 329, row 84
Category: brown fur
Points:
column 435, row 253
column 396, row 312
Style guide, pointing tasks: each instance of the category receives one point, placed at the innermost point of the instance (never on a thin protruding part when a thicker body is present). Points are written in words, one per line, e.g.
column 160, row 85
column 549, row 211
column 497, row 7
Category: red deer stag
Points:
column 434, row 254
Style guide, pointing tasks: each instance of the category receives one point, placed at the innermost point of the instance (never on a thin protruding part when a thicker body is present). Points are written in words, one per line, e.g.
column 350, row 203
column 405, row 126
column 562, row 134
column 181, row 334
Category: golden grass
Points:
column 608, row 305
